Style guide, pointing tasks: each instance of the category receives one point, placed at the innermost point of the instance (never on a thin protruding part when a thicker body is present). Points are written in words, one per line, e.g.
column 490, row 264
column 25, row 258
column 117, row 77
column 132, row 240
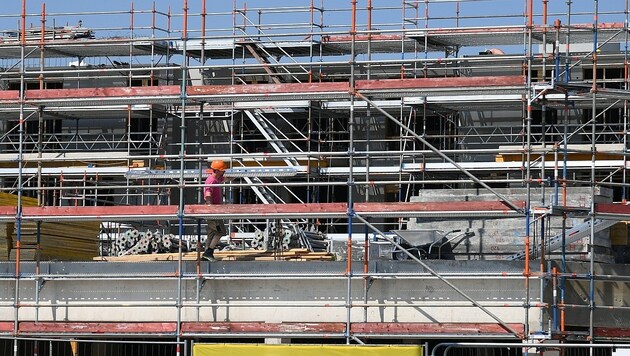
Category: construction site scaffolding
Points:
column 339, row 112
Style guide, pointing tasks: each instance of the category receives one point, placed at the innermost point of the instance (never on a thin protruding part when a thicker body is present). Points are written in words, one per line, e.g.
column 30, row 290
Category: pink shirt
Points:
column 213, row 189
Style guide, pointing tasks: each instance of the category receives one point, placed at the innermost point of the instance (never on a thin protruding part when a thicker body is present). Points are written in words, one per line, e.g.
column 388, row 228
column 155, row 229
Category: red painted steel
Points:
column 373, row 37
column 454, row 82
column 433, row 328
column 6, row 326
column 209, row 328
column 612, row 332
column 611, row 208
column 10, row 95
column 267, row 209
column 99, row 211
column 95, row 328
column 286, row 88
column 260, row 327
column 436, row 206
column 259, row 89
column 96, row 93
column 8, row 211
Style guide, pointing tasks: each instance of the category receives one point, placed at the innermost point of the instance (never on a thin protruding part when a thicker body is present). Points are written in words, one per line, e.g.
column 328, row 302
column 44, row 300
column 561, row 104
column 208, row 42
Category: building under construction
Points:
column 405, row 177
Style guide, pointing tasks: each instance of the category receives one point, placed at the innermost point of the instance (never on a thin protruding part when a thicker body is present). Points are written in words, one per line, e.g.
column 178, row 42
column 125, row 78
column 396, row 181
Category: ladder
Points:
column 574, row 234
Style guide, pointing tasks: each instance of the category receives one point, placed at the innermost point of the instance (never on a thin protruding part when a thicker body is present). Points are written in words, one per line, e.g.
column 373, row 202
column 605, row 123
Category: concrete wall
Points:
column 500, row 238
column 611, row 294
column 268, row 292
column 274, row 292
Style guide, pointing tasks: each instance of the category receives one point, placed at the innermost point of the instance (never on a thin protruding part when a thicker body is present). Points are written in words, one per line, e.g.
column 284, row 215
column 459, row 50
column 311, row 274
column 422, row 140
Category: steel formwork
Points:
column 331, row 114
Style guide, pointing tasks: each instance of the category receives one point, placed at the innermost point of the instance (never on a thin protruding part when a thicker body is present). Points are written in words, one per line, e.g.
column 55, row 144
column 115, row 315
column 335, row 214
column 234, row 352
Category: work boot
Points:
column 208, row 255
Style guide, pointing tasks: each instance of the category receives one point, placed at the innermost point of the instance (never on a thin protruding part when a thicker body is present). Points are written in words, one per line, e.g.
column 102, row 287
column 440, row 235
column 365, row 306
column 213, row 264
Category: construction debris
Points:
column 50, row 33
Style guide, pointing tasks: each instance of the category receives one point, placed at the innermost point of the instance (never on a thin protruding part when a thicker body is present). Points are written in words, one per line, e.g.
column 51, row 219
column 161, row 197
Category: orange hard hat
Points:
column 218, row 165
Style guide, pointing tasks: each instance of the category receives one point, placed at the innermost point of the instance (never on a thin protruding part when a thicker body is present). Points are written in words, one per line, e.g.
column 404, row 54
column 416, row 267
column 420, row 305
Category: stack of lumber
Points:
column 298, row 254
column 6, row 232
column 58, row 240
column 7, row 229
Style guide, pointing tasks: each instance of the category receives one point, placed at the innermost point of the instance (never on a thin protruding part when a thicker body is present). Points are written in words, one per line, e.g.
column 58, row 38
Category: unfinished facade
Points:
column 460, row 164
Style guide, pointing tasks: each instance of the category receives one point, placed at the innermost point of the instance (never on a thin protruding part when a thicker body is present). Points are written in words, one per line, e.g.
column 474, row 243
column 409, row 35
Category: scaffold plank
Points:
column 172, row 92
column 297, row 254
column 457, row 82
column 96, row 328
column 411, row 207
column 612, row 208
column 9, row 95
column 262, row 211
column 84, row 48
column 8, row 211
column 6, row 327
column 268, row 89
column 105, row 92
column 613, row 211
column 510, row 35
column 612, row 332
column 99, row 212
column 259, row 327
column 433, row 328
column 252, row 328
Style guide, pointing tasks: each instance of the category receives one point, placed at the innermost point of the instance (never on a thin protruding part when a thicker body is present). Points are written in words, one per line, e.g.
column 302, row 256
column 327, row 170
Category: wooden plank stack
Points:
column 77, row 240
column 297, row 254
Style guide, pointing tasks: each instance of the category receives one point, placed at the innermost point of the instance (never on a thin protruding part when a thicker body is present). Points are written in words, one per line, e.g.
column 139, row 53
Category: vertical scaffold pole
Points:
column 182, row 154
column 18, row 218
column 528, row 146
column 591, row 241
column 368, row 120
column 567, row 77
column 624, row 188
column 543, row 173
column 353, row 32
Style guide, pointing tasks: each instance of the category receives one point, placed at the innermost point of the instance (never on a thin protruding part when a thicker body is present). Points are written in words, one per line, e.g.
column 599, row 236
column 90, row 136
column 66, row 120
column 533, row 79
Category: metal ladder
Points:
column 572, row 235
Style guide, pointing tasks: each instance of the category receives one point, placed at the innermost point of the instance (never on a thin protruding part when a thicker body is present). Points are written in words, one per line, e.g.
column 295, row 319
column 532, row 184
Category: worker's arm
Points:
column 207, row 195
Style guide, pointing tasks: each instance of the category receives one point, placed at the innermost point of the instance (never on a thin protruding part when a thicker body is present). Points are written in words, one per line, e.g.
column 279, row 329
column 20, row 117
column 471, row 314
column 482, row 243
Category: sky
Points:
column 110, row 19
column 387, row 12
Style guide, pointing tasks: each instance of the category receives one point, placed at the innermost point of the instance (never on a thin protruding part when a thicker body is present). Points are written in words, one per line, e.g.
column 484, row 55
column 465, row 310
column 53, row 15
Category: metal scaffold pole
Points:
column 351, row 186
column 18, row 217
column 591, row 241
column 626, row 85
column 182, row 162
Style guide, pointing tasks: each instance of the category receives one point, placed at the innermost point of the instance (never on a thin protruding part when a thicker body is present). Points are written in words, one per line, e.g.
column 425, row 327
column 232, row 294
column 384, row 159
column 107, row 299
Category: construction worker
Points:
column 212, row 194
